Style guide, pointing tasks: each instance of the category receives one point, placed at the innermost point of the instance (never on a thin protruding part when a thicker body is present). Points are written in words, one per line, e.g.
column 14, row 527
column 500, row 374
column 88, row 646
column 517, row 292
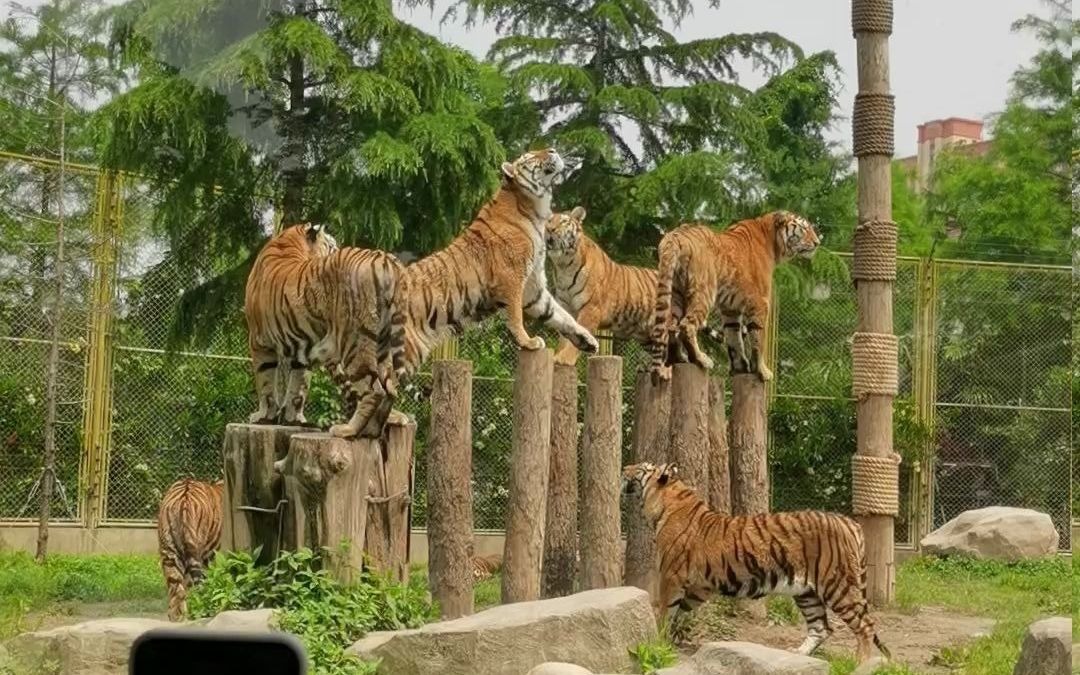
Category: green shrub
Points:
column 327, row 616
column 654, row 655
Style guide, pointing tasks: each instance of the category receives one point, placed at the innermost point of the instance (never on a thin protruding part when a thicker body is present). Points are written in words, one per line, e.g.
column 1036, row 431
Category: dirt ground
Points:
column 913, row 638
column 69, row 613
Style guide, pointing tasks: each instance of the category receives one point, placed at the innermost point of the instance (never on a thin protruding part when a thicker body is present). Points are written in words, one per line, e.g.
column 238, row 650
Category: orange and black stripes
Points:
column 189, row 528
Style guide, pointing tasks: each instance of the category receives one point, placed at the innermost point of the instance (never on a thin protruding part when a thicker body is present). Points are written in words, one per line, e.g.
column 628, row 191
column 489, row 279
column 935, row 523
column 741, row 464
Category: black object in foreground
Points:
column 172, row 651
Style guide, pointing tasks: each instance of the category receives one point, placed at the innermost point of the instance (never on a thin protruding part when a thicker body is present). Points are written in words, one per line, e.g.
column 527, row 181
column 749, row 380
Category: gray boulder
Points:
column 559, row 668
column 996, row 532
column 746, row 658
column 91, row 648
column 1047, row 648
column 594, row 630
column 249, row 621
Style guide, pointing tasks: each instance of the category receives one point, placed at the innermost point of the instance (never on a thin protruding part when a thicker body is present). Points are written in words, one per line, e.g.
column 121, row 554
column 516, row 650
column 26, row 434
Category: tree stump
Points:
column 450, row 500
column 719, row 458
column 749, row 457
column 389, row 498
column 689, row 447
column 525, row 522
column 600, row 456
column 255, row 508
column 652, row 406
column 561, row 530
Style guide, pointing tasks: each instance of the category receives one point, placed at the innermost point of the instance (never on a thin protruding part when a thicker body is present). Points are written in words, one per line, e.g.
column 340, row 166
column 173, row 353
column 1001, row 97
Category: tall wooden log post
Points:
column 719, row 458
column 748, row 443
column 561, row 531
column 875, row 467
column 527, row 517
column 689, row 427
column 652, row 406
column 601, row 452
column 450, row 501
column 389, row 502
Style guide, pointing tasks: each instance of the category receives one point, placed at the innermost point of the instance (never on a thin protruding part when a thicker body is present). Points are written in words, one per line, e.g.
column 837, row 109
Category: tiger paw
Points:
column 764, row 373
column 398, row 418
column 261, row 418
column 532, row 344
column 585, row 342
column 565, row 359
column 342, row 431
column 705, row 361
column 660, row 375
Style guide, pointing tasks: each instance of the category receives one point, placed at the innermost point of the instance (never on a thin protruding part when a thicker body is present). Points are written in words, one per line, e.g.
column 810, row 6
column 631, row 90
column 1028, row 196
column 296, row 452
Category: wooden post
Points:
column 719, row 460
column 874, row 271
column 749, row 459
column 524, row 549
column 651, row 409
column 689, row 447
column 601, row 453
column 561, row 531
column 450, row 502
column 255, row 508
column 386, row 537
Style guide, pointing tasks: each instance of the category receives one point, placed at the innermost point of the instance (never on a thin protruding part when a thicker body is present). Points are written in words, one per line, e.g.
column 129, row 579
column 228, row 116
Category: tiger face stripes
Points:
column 308, row 302
column 731, row 270
column 497, row 263
column 189, row 529
column 818, row 558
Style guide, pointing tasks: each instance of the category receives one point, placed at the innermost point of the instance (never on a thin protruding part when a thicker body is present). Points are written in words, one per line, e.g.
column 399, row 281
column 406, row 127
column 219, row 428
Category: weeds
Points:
column 653, row 655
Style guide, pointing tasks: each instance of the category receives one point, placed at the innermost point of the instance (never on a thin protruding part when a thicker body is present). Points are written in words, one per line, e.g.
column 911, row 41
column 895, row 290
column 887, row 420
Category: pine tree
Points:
column 331, row 110
column 663, row 130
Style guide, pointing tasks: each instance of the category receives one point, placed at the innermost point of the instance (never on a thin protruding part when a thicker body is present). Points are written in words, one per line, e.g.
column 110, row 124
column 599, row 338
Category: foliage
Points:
column 653, row 655
column 326, row 615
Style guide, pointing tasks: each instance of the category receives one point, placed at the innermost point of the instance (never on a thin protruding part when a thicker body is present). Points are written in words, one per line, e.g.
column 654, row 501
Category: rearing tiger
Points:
column 308, row 302
column 818, row 558
column 732, row 270
column 496, row 263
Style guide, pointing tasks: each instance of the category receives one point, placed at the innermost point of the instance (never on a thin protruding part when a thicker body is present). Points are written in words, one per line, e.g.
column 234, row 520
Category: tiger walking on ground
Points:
column 818, row 558
column 189, row 529
column 731, row 270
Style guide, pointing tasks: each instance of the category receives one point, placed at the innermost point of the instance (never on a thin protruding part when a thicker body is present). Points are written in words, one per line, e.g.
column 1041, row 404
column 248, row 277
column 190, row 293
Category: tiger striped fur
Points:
column 600, row 293
column 309, row 302
column 496, row 263
column 189, row 528
column 731, row 270
column 818, row 558
column 485, row 566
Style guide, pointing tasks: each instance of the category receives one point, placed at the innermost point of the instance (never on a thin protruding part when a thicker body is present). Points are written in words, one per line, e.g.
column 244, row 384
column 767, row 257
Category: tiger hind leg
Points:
column 695, row 318
column 812, row 608
column 854, row 611
column 736, row 345
column 296, row 395
column 174, row 585
column 371, row 401
column 264, row 362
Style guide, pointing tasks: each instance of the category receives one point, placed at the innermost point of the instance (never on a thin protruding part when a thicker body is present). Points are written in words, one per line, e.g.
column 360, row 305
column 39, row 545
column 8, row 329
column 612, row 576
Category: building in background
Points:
column 937, row 135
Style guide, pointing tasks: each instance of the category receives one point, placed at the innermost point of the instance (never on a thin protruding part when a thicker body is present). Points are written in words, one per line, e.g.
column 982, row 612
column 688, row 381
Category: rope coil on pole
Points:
column 873, row 364
column 872, row 16
column 876, row 242
column 872, row 124
column 875, row 485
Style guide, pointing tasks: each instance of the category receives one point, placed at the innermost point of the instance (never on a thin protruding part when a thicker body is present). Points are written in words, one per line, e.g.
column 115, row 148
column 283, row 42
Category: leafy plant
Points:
column 327, row 616
column 653, row 655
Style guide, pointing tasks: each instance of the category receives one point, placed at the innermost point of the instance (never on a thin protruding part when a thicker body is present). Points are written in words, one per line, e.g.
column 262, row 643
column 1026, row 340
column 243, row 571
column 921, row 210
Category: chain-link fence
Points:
column 983, row 414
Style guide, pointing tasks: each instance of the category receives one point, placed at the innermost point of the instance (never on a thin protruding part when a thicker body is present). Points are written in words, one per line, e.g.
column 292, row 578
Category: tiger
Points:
column 497, row 262
column 732, row 270
column 600, row 293
column 818, row 558
column 485, row 566
column 310, row 302
column 189, row 529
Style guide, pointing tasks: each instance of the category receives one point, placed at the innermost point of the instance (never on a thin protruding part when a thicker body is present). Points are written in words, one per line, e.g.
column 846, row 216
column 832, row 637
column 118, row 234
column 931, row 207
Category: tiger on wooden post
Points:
column 818, row 558
column 496, row 263
column 189, row 529
column 731, row 270
column 309, row 302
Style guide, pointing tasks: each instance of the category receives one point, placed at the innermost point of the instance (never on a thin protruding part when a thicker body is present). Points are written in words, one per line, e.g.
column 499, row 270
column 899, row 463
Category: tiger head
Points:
column 649, row 482
column 318, row 239
column 564, row 232
column 795, row 236
column 536, row 172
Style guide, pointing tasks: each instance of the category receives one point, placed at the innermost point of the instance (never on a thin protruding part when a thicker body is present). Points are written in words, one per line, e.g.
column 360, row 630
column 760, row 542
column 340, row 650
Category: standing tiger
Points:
column 309, row 302
column 818, row 558
column 496, row 263
column 600, row 293
column 731, row 270
column 189, row 528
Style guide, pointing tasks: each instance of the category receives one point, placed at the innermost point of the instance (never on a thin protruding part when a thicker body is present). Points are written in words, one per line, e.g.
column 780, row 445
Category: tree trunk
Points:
column 652, row 406
column 524, row 550
column 389, row 495
column 690, row 426
column 561, row 531
column 601, row 456
column 293, row 166
column 719, row 460
column 450, row 498
column 749, row 461
column 256, row 510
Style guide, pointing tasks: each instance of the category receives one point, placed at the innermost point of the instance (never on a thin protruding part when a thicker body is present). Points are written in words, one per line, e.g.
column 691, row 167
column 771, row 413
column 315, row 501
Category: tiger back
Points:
column 731, row 270
column 189, row 530
column 496, row 263
column 818, row 558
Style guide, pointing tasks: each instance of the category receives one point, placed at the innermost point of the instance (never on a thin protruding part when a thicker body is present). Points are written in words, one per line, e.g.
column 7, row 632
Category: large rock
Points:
column 1047, row 648
column 746, row 658
column 559, row 668
column 594, row 630
column 248, row 621
column 996, row 532
column 92, row 648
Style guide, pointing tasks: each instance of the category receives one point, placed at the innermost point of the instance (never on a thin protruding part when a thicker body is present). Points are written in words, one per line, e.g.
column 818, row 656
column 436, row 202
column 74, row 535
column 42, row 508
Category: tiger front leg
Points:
column 567, row 353
column 541, row 304
column 755, row 325
column 736, row 345
column 296, row 393
column 370, row 400
column 264, row 362
column 511, row 295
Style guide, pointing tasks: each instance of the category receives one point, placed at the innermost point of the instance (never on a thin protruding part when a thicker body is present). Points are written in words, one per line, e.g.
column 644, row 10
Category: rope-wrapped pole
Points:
column 875, row 473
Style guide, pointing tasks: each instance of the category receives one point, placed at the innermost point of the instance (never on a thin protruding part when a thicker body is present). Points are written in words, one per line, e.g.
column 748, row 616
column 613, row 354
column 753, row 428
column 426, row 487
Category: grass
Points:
column 64, row 580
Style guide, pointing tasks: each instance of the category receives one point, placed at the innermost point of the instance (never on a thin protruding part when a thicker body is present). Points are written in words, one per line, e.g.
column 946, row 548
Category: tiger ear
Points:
column 668, row 472
column 578, row 213
column 312, row 230
column 508, row 170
